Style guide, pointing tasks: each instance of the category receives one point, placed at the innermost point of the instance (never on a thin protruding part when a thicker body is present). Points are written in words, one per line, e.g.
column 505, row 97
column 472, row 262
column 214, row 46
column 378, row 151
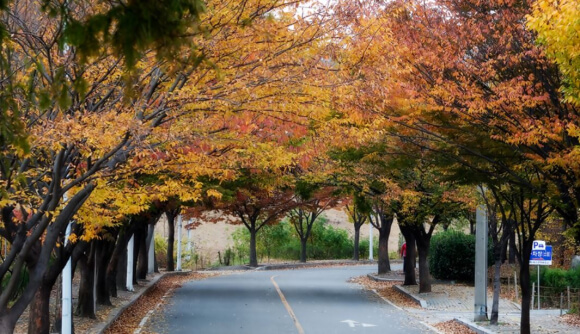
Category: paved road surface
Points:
column 290, row 301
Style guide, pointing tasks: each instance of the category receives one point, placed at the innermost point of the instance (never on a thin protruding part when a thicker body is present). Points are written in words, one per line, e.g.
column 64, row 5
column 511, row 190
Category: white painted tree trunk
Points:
column 371, row 242
column 179, row 223
column 151, row 255
column 66, row 320
column 130, row 249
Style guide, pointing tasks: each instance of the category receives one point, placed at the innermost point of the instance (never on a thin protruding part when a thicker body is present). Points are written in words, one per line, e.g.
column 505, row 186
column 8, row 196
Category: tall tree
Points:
column 358, row 212
column 311, row 200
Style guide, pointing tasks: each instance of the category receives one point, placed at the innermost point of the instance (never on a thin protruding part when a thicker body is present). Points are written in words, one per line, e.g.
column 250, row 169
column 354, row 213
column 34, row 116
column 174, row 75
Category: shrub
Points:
column 363, row 248
column 161, row 251
column 557, row 278
column 327, row 242
column 452, row 256
column 281, row 241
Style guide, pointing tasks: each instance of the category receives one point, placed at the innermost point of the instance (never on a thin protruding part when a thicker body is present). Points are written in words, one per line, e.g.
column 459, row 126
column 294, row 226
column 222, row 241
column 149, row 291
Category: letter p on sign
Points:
column 539, row 245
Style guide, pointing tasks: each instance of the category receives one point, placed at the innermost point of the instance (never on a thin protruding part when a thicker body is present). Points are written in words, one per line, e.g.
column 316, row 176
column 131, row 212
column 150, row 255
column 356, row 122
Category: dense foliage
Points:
column 558, row 279
column 452, row 256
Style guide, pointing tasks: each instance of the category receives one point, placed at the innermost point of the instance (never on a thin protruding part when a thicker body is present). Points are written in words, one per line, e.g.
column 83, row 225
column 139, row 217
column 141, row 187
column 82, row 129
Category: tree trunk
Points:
column 409, row 266
column 39, row 315
column 170, row 241
column 7, row 323
column 142, row 266
column 136, row 243
column 356, row 251
column 424, row 275
column 39, row 319
column 526, row 297
column 253, row 253
column 86, row 302
column 496, row 290
column 384, row 264
column 104, row 253
column 119, row 254
column 303, row 242
column 513, row 249
column 118, row 276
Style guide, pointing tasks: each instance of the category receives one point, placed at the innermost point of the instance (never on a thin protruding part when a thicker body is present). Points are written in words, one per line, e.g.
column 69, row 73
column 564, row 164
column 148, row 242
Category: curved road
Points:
column 318, row 300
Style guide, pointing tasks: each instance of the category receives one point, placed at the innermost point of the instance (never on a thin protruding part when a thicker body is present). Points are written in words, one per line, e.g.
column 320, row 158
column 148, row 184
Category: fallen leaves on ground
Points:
column 453, row 327
column 572, row 319
column 129, row 320
column 386, row 290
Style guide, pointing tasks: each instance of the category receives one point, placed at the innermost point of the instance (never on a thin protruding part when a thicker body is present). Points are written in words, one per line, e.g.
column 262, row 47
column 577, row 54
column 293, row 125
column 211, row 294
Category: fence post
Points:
column 533, row 294
column 568, row 288
column 561, row 301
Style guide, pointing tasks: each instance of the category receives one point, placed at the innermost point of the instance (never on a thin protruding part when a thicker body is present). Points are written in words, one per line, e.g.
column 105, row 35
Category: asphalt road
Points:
column 318, row 300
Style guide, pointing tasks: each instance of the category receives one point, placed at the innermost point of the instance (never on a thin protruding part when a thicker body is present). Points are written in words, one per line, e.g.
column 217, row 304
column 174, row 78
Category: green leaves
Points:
column 133, row 28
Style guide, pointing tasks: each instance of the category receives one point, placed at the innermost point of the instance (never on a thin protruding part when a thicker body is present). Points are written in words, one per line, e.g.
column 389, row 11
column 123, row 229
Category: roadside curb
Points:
column 474, row 327
column 291, row 265
column 381, row 279
column 312, row 264
column 421, row 302
column 114, row 315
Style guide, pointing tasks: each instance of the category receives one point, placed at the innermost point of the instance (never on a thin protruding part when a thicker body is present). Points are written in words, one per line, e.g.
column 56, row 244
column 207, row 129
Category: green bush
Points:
column 327, row 242
column 556, row 278
column 363, row 248
column 452, row 256
column 281, row 242
column 161, row 251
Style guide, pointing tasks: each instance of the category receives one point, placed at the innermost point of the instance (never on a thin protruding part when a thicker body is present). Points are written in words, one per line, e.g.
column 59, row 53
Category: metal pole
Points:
column 480, row 305
column 538, row 287
column 179, row 222
column 533, row 294
column 370, row 241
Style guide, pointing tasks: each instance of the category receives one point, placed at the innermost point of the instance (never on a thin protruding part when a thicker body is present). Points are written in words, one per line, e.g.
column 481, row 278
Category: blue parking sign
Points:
column 541, row 257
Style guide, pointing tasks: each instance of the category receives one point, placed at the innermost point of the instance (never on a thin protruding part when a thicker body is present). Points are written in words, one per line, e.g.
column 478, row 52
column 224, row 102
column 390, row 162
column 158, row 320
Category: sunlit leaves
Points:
column 557, row 25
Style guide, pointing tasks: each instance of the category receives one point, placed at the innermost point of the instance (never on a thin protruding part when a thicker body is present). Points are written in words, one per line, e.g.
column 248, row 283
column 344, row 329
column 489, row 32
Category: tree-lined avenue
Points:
column 321, row 299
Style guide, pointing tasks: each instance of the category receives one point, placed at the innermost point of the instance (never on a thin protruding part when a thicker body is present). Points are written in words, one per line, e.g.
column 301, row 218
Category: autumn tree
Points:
column 358, row 211
column 469, row 73
column 311, row 201
column 253, row 201
column 57, row 113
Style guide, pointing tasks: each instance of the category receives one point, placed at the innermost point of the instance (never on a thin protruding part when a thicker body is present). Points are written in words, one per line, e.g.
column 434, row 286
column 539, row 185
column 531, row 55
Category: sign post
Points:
column 371, row 241
column 541, row 256
column 480, row 311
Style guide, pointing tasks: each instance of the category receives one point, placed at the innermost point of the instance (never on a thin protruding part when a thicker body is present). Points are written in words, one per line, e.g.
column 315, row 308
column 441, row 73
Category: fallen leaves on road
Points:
column 129, row 320
column 453, row 327
column 385, row 289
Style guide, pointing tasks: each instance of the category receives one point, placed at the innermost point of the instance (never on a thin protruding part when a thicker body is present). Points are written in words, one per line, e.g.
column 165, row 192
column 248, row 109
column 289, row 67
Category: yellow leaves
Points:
column 73, row 238
column 557, row 25
column 214, row 193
